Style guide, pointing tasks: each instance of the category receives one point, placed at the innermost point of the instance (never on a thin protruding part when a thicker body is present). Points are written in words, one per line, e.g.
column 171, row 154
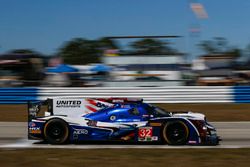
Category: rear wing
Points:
column 34, row 108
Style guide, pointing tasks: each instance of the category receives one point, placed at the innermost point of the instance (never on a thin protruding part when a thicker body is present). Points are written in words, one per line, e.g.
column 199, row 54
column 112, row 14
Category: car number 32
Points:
column 145, row 132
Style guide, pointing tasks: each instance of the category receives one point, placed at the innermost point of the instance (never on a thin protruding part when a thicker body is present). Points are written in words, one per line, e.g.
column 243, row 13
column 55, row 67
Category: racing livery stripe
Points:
column 92, row 109
column 90, row 101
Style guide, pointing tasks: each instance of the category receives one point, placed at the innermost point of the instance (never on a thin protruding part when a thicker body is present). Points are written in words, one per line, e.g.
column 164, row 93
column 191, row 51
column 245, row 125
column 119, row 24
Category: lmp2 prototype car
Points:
column 116, row 119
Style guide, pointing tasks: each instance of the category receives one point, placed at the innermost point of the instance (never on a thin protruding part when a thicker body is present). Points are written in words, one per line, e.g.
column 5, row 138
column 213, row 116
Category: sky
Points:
column 45, row 25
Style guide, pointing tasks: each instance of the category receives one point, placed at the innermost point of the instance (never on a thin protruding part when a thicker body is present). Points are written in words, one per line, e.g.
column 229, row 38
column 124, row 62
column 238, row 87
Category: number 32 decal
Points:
column 145, row 132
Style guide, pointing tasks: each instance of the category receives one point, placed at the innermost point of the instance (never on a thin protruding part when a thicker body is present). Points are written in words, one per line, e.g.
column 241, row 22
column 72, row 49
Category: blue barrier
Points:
column 174, row 94
column 18, row 95
column 241, row 94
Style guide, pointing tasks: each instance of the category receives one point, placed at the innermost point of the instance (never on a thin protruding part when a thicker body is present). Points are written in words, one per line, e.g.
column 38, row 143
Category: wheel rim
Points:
column 176, row 133
column 56, row 132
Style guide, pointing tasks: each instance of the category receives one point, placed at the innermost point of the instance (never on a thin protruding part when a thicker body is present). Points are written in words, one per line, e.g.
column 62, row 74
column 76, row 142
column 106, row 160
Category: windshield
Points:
column 161, row 112
column 134, row 111
column 157, row 111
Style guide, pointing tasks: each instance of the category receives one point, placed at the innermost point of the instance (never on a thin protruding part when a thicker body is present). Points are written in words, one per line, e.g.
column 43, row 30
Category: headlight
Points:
column 204, row 127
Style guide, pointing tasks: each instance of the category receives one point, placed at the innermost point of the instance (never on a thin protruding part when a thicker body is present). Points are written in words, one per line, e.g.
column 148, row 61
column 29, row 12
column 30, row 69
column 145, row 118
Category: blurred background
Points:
column 128, row 43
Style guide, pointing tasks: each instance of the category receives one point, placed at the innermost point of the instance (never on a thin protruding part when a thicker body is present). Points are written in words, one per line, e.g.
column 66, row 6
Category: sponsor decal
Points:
column 145, row 134
column 118, row 101
column 154, row 138
column 35, row 130
column 155, row 124
column 101, row 105
column 128, row 137
column 192, row 142
column 112, row 117
column 32, row 124
column 33, row 110
column 68, row 103
column 80, row 132
column 95, row 105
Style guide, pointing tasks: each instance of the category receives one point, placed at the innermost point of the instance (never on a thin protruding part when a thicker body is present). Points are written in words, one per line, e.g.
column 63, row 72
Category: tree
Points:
column 219, row 46
column 106, row 43
column 23, row 51
column 83, row 51
column 80, row 51
column 208, row 47
column 151, row 47
column 247, row 53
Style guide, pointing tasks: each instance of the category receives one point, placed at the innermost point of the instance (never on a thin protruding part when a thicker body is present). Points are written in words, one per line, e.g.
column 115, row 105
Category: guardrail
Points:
column 241, row 94
column 173, row 94
column 18, row 95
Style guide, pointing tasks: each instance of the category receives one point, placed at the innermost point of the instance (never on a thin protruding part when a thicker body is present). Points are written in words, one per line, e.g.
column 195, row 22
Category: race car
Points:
column 116, row 119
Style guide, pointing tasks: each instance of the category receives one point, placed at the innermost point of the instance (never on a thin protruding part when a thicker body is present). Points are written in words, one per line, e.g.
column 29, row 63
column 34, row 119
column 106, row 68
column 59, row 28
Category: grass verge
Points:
column 126, row 157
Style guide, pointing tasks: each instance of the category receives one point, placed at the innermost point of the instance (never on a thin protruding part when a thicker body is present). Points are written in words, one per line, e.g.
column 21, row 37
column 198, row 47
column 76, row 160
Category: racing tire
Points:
column 56, row 131
column 175, row 133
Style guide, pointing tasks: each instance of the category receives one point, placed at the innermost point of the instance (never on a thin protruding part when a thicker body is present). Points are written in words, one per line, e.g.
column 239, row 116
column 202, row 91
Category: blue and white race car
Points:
column 116, row 119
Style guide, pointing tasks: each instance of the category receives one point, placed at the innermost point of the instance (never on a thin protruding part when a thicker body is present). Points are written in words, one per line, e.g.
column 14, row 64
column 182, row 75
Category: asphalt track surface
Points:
column 13, row 135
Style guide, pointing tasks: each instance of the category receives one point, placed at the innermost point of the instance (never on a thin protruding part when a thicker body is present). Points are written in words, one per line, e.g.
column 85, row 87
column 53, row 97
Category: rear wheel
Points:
column 175, row 133
column 56, row 131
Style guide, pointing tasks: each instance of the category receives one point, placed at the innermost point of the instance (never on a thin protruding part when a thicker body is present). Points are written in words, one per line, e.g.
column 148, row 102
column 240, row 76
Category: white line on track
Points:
column 24, row 143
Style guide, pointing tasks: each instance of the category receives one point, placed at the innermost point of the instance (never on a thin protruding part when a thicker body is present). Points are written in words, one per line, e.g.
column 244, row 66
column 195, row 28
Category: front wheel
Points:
column 175, row 133
column 56, row 131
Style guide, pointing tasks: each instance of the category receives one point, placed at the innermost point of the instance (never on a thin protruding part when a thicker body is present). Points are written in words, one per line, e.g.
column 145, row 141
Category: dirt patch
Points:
column 13, row 113
column 214, row 112
column 126, row 157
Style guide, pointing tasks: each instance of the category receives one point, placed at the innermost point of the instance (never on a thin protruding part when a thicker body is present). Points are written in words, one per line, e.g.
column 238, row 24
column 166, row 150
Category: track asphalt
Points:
column 233, row 134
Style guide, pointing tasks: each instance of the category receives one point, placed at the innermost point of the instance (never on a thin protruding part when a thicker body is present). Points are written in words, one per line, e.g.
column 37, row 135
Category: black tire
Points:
column 56, row 131
column 175, row 133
